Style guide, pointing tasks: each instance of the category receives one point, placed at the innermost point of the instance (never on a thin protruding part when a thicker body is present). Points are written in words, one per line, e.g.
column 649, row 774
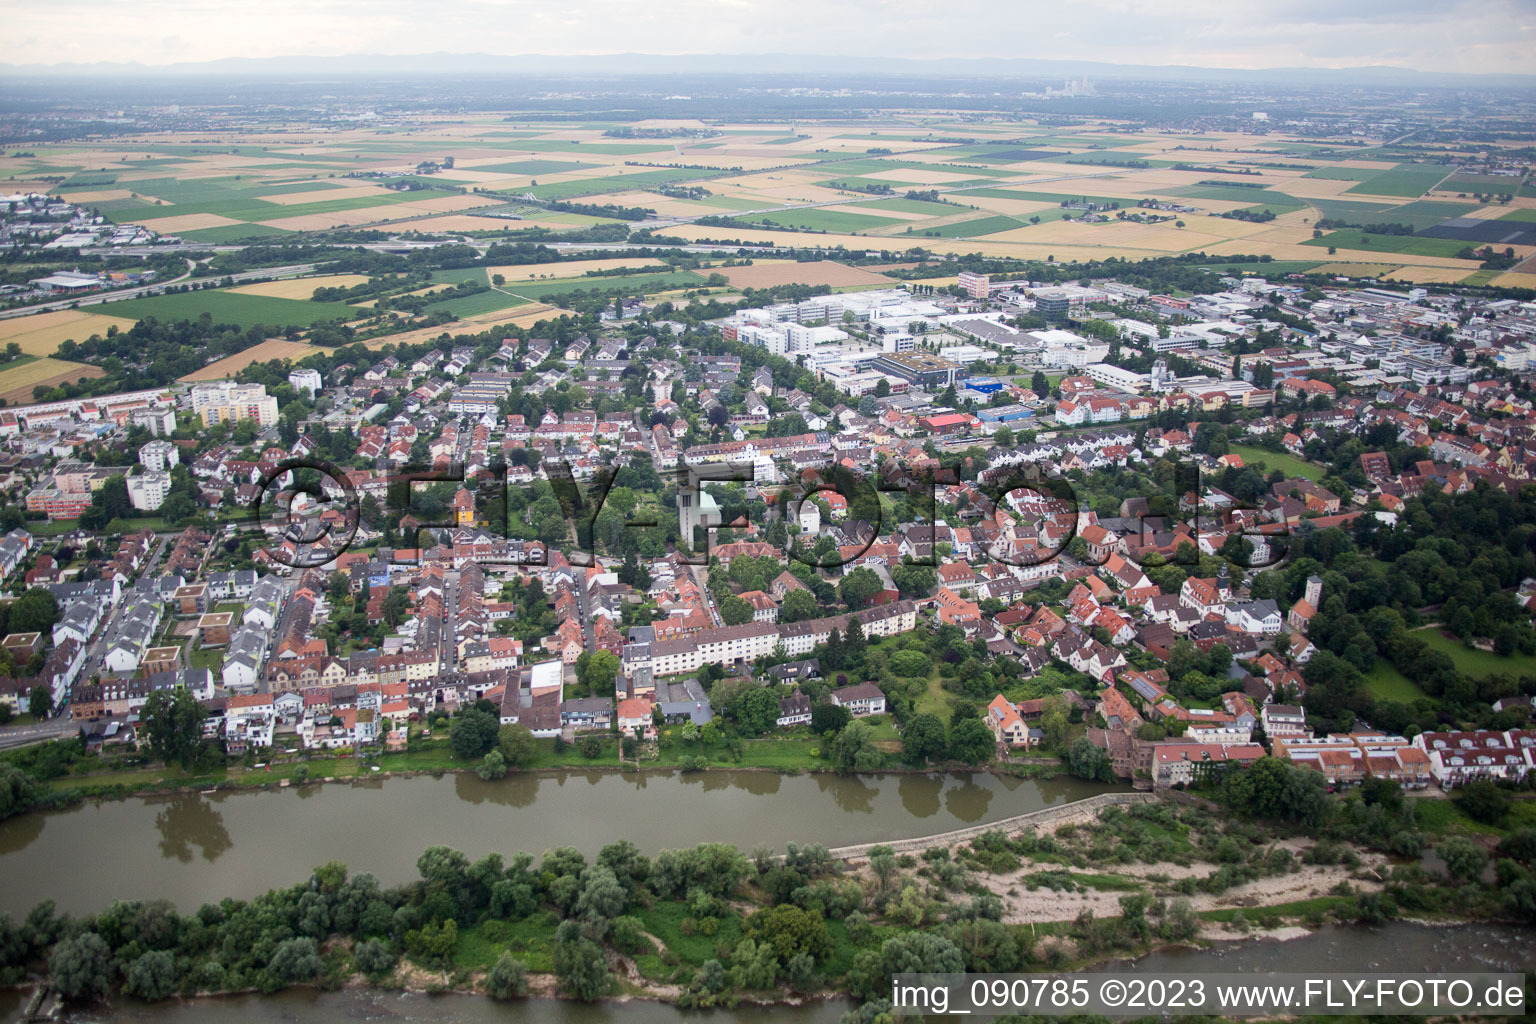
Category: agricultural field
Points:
column 971, row 228
column 272, row 348
column 822, row 220
column 228, row 307
column 40, row 334
column 1408, row 180
column 769, row 275
column 18, row 380
column 1354, row 238
column 628, row 284
column 299, row 287
column 254, row 185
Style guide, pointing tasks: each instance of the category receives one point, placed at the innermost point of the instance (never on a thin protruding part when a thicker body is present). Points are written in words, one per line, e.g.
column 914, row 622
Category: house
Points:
column 1282, row 720
column 794, row 710
column 1262, row 617
column 635, row 718
column 1006, row 723
column 861, row 700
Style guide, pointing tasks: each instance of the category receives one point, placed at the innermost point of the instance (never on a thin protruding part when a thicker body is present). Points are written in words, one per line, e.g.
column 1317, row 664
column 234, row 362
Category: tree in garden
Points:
column 829, row 718
column 1087, row 761
column 472, row 734
column 40, row 702
column 516, row 744
column 34, row 612
column 172, row 722
column 492, row 767
column 755, row 710
column 597, row 670
column 922, row 738
column 854, row 749
column 735, row 611
column 798, row 606
column 856, row 588
column 971, row 741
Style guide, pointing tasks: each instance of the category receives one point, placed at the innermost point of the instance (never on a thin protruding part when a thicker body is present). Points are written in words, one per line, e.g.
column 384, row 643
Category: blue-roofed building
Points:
column 1005, row 414
column 984, row 385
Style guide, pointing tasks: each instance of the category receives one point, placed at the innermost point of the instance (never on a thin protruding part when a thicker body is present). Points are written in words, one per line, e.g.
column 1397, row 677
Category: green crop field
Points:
column 293, row 187
column 971, row 228
column 1342, row 173
column 231, row 233
column 1039, row 197
column 1285, row 462
column 628, row 284
column 458, row 275
column 232, row 308
column 912, row 206
column 481, row 302
column 1526, row 216
column 602, row 148
column 1260, row 197
column 613, row 183
column 821, row 220
column 1474, row 662
column 1411, row 180
column 536, row 167
column 1358, row 241
column 1480, row 183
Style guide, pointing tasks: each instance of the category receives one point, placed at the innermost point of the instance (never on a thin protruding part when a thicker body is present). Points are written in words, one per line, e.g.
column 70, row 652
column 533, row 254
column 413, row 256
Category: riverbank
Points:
column 433, row 757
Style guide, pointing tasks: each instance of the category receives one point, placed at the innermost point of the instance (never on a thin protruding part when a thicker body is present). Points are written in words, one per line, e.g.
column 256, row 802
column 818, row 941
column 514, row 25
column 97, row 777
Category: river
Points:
column 1398, row 947
column 194, row 848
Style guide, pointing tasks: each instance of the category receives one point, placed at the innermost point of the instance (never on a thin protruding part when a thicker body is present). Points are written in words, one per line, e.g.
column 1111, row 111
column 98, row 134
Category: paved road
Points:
column 100, row 298
column 52, row 729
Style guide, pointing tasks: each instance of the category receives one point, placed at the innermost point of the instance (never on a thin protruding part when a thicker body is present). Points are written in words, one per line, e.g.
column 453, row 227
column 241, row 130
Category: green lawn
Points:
column 935, row 701
column 1411, row 180
column 1287, row 463
column 1474, row 662
column 1357, row 240
column 228, row 307
column 1386, row 683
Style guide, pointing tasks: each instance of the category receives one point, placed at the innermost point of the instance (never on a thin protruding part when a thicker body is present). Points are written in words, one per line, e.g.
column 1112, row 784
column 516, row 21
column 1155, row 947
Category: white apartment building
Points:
column 159, row 456
column 148, row 490
column 307, row 381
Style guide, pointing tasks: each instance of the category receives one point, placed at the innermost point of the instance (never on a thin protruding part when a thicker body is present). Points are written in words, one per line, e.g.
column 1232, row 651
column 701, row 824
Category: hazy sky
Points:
column 1430, row 35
